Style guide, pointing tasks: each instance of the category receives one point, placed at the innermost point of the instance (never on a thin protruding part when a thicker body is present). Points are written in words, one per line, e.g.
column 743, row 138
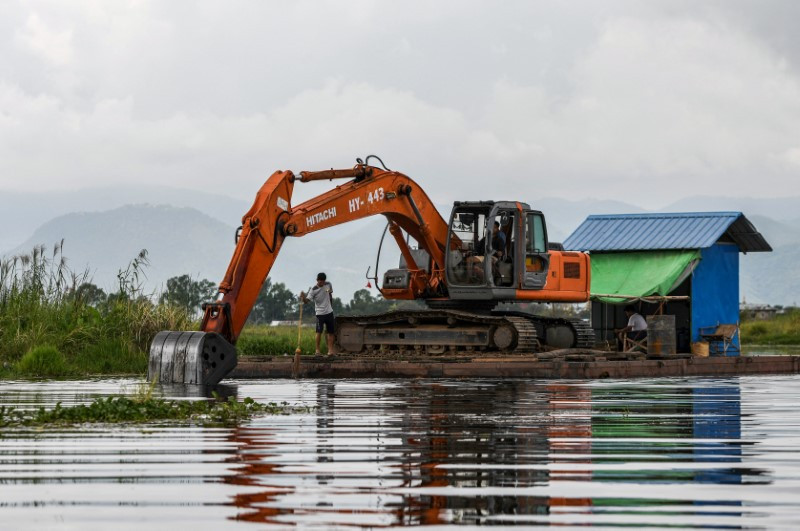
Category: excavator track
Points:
column 558, row 332
column 436, row 332
column 585, row 333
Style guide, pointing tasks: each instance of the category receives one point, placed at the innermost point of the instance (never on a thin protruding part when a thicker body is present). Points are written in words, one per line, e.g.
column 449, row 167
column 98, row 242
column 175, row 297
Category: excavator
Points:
column 463, row 272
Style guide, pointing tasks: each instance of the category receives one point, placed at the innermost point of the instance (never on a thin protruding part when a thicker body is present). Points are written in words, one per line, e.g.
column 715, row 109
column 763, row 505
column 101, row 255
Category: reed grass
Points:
column 50, row 327
column 782, row 329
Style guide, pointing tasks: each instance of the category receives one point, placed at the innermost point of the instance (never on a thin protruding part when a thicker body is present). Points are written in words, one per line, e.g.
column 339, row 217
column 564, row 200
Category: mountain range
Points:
column 192, row 232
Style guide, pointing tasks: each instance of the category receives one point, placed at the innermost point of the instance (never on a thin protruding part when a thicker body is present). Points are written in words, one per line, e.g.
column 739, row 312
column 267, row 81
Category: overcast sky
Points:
column 646, row 102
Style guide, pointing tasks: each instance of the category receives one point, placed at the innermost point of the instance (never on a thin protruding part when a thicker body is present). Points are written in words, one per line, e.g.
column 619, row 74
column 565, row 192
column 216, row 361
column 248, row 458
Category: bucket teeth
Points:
column 202, row 358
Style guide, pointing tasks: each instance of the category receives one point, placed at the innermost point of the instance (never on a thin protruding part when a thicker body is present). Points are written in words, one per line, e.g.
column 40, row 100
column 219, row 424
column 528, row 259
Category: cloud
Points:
column 792, row 156
column 52, row 45
column 678, row 106
column 473, row 100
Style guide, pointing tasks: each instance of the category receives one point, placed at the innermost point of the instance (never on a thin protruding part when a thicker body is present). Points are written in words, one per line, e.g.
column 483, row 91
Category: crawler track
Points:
column 441, row 331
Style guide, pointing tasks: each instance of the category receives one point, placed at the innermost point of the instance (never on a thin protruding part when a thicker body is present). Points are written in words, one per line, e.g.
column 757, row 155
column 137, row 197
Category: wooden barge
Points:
column 567, row 363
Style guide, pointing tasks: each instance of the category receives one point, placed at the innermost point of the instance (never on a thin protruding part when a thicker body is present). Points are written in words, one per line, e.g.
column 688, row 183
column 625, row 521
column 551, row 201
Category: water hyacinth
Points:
column 118, row 409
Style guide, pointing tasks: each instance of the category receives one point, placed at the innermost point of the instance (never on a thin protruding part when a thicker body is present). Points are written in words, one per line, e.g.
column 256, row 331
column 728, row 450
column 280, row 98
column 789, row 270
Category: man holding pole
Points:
column 322, row 295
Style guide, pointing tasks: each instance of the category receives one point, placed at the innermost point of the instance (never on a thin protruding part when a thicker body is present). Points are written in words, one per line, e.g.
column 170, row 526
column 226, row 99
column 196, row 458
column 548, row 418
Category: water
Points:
column 661, row 453
column 770, row 350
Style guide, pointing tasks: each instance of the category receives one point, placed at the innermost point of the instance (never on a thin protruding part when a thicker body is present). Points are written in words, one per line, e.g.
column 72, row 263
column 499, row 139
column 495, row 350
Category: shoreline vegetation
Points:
column 55, row 323
column 781, row 330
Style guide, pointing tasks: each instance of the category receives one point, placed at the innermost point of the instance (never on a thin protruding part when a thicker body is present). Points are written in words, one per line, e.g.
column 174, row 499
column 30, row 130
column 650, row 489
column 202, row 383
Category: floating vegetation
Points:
column 141, row 409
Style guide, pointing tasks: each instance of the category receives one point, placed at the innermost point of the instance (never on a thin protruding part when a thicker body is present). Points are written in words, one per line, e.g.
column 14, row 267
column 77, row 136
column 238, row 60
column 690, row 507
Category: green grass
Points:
column 780, row 330
column 48, row 328
column 45, row 360
column 141, row 409
column 110, row 356
column 265, row 340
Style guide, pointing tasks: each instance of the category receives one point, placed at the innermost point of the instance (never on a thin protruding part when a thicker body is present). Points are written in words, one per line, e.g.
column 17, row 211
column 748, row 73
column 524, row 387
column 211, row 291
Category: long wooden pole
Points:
column 299, row 328
column 298, row 350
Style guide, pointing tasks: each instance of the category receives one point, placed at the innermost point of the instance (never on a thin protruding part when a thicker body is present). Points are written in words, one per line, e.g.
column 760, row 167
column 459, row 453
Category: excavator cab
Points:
column 497, row 248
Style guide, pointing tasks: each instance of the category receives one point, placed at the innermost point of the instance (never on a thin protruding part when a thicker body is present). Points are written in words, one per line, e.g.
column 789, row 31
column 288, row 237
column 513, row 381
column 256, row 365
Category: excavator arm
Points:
column 272, row 219
column 206, row 356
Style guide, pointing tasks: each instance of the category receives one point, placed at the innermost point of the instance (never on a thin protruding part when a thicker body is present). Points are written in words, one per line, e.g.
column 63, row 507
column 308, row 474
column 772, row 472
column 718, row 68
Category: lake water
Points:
column 670, row 452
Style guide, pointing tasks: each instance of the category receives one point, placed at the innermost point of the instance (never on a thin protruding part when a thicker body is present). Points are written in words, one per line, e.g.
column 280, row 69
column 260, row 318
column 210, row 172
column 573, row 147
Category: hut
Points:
column 682, row 264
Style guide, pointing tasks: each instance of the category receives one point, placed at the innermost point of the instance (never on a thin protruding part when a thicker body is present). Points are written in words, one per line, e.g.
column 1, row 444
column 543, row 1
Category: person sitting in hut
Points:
column 636, row 329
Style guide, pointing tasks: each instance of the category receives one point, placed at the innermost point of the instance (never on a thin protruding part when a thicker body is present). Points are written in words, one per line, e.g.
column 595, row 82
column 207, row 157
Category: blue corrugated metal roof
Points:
column 682, row 230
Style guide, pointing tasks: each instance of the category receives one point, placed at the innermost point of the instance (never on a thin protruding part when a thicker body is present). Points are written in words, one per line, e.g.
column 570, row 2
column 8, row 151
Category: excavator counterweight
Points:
column 491, row 252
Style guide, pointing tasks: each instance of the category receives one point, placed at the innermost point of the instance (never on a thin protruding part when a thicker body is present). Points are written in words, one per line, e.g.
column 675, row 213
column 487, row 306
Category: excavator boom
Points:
column 179, row 357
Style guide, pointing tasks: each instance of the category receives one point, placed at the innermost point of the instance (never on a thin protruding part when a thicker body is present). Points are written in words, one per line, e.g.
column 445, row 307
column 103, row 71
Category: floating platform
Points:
column 567, row 363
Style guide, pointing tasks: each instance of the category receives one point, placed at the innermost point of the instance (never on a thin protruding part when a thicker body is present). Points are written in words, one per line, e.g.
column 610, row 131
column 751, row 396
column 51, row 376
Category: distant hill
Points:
column 187, row 241
column 777, row 208
column 195, row 241
column 564, row 215
column 771, row 278
column 179, row 240
column 774, row 277
column 23, row 212
column 777, row 233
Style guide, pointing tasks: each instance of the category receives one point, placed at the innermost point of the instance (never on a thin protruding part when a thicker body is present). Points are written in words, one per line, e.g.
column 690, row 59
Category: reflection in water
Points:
column 444, row 452
column 689, row 452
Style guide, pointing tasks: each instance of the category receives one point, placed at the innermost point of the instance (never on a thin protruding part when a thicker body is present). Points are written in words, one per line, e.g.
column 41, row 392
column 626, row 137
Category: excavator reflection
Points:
column 427, row 453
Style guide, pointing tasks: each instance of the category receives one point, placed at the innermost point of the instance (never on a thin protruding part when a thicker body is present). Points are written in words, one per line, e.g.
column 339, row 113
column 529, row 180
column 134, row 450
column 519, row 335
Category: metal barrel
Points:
column 661, row 334
column 202, row 358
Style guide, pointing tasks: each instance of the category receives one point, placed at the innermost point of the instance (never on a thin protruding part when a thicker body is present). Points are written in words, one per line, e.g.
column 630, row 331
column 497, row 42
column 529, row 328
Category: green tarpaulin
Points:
column 637, row 274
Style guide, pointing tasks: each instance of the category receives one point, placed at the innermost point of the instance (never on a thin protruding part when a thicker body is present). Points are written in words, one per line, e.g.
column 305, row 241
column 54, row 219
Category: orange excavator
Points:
column 462, row 269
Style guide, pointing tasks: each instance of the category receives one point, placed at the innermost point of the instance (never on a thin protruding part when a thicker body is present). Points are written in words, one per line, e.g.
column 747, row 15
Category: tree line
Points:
column 275, row 301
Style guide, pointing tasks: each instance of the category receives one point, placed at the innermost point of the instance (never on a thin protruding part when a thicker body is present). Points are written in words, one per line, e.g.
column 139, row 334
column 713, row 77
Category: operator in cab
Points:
column 498, row 242
column 475, row 263
column 322, row 295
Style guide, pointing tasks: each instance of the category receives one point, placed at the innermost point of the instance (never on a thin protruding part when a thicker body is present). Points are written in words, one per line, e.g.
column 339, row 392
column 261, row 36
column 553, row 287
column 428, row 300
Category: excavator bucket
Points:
column 202, row 358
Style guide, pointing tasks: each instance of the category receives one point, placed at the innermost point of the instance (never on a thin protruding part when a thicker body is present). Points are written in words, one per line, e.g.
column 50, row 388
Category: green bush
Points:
column 756, row 329
column 45, row 360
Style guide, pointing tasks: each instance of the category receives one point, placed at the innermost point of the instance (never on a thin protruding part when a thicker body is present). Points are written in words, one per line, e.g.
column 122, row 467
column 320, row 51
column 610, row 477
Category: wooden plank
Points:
column 519, row 367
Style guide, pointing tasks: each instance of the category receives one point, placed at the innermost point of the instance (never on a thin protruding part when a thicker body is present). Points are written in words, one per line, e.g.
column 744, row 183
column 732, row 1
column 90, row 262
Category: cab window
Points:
column 536, row 242
column 465, row 265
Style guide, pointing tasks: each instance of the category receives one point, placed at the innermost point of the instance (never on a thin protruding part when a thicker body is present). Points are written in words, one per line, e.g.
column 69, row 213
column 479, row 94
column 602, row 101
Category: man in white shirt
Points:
column 636, row 329
column 322, row 295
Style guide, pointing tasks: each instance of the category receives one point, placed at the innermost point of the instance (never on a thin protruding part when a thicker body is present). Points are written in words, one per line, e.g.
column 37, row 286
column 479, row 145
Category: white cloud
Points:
column 792, row 156
column 673, row 107
column 52, row 45
column 472, row 102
